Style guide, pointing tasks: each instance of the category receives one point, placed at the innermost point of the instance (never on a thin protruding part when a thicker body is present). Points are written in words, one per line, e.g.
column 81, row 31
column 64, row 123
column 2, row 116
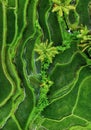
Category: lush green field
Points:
column 45, row 65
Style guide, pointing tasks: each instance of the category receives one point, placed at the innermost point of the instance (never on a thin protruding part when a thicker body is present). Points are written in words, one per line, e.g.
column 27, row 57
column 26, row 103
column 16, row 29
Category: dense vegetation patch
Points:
column 45, row 68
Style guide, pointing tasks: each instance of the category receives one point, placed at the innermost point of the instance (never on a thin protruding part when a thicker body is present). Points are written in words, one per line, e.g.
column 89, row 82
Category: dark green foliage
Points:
column 45, row 65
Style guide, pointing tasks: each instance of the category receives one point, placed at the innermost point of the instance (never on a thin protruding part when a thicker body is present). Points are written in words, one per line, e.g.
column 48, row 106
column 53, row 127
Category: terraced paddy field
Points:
column 45, row 65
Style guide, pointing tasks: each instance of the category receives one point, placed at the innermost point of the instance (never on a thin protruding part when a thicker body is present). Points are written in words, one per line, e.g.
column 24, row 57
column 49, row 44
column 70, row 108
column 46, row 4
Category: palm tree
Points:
column 62, row 7
column 46, row 51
